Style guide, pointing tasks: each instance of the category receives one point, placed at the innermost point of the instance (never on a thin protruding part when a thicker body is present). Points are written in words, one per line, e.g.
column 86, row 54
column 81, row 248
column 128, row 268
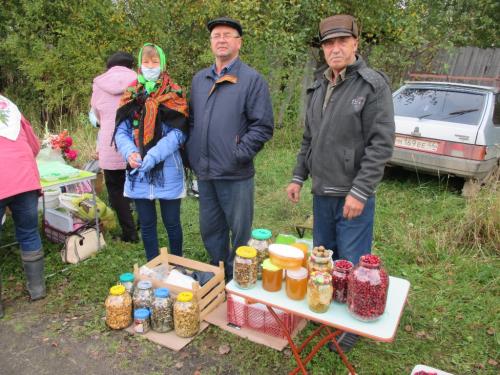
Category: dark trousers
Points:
column 115, row 181
column 226, row 212
column 349, row 239
column 171, row 217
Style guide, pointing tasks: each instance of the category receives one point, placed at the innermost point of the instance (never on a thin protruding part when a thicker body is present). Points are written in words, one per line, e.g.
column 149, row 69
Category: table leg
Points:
column 290, row 341
column 92, row 184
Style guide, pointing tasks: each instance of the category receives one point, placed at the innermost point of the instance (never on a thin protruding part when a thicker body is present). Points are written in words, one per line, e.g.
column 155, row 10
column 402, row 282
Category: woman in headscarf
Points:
column 19, row 191
column 151, row 127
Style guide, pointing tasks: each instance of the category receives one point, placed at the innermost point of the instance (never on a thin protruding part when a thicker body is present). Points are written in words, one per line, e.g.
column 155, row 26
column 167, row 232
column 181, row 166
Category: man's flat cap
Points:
column 335, row 26
column 225, row 21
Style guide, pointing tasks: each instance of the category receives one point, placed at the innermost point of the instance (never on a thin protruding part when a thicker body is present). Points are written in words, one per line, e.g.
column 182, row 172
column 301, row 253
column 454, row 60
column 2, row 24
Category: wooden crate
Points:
column 209, row 296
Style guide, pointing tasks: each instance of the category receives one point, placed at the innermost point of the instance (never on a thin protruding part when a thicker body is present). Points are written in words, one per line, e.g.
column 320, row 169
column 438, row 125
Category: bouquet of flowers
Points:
column 63, row 143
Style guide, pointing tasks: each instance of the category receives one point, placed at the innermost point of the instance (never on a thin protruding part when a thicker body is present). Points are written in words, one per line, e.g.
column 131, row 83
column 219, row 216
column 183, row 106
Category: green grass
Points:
column 423, row 233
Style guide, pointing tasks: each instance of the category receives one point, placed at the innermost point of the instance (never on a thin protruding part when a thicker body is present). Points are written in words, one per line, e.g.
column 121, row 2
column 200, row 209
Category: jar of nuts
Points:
column 127, row 280
column 143, row 295
column 118, row 308
column 186, row 315
column 162, row 319
column 245, row 267
column 141, row 321
column 321, row 260
column 260, row 241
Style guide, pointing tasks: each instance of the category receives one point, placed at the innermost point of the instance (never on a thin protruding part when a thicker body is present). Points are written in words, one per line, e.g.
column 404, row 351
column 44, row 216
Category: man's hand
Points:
column 293, row 192
column 135, row 160
column 352, row 207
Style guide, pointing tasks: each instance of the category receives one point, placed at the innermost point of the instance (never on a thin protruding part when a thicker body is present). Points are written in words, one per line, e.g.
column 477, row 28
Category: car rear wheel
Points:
column 472, row 185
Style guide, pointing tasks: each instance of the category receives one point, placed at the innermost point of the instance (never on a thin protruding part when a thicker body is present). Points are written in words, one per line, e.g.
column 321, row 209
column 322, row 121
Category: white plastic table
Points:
column 384, row 329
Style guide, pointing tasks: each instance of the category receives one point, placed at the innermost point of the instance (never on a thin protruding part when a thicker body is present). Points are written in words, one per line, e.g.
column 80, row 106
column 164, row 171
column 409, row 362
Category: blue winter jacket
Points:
column 229, row 123
column 167, row 150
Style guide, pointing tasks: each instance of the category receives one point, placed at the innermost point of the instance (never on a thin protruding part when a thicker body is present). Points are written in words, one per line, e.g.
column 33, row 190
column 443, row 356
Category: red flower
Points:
column 71, row 154
column 68, row 141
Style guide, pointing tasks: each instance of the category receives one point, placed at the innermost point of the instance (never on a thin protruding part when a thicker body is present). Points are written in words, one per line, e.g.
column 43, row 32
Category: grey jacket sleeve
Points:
column 378, row 134
column 301, row 170
column 259, row 113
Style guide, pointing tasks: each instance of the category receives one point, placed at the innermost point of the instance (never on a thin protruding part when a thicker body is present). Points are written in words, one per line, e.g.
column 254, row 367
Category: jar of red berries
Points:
column 341, row 270
column 367, row 287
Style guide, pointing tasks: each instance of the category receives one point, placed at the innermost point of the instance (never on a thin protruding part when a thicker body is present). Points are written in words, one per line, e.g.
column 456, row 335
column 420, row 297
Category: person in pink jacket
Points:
column 19, row 191
column 106, row 92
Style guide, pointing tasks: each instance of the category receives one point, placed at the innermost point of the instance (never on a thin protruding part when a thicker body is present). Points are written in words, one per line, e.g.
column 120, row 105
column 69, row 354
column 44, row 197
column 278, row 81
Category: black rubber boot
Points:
column 1, row 304
column 33, row 264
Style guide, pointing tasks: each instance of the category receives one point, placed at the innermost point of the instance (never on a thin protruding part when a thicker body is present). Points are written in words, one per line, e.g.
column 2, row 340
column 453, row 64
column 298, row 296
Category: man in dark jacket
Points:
column 231, row 118
column 348, row 138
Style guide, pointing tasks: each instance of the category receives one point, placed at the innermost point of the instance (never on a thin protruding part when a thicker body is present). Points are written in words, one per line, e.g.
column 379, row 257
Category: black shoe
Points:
column 130, row 239
column 346, row 342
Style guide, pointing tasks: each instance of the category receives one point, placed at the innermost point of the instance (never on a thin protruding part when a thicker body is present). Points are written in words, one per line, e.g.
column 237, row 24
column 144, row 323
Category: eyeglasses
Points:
column 223, row 36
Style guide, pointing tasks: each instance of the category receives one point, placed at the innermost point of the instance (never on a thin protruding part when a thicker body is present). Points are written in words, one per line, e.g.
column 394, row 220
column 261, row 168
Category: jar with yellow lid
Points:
column 245, row 267
column 319, row 291
column 118, row 308
column 305, row 249
column 272, row 276
column 186, row 315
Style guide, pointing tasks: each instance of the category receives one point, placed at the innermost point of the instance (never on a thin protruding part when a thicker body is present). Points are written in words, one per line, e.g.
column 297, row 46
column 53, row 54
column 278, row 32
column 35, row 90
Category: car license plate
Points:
column 416, row 144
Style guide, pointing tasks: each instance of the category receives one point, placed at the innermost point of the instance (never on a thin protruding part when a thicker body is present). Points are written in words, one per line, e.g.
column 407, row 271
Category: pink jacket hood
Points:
column 115, row 80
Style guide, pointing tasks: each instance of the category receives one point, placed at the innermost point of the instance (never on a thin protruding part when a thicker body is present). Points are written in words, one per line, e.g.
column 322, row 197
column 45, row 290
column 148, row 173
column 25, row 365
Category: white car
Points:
column 445, row 128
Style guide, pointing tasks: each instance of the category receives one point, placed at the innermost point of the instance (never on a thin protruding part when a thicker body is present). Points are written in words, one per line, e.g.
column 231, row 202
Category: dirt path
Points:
column 35, row 343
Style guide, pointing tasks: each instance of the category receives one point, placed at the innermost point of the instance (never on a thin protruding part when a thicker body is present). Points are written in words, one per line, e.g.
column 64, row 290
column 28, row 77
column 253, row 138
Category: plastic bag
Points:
column 87, row 206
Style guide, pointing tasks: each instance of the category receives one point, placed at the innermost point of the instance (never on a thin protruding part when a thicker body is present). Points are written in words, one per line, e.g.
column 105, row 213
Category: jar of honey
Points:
column 272, row 276
column 305, row 249
column 296, row 283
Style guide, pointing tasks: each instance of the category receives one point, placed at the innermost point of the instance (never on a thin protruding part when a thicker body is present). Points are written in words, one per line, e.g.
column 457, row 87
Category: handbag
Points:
column 81, row 244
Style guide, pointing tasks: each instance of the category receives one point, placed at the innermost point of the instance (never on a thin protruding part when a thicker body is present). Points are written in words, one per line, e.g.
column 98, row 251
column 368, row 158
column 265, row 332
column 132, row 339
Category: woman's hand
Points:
column 135, row 160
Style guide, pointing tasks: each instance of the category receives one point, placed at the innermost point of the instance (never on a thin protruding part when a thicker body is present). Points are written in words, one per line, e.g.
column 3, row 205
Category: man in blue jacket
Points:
column 231, row 118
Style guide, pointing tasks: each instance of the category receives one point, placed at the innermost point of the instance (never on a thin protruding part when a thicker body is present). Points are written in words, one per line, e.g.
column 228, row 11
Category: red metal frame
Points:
column 330, row 336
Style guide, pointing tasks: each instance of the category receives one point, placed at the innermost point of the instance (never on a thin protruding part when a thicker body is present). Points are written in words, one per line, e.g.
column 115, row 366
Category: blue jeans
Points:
column 226, row 209
column 24, row 208
column 349, row 239
column 171, row 217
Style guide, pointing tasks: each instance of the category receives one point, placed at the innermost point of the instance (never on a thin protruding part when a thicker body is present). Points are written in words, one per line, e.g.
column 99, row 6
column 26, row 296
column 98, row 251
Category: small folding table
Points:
column 332, row 323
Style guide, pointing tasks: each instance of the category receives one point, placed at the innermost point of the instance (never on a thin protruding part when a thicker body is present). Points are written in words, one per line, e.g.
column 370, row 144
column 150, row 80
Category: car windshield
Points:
column 443, row 105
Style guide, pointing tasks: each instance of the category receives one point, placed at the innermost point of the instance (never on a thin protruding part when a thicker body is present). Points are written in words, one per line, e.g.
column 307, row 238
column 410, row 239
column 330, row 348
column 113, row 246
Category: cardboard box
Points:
column 209, row 296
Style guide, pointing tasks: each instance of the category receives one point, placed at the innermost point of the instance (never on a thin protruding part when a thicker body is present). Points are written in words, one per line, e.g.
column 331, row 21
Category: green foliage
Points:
column 51, row 50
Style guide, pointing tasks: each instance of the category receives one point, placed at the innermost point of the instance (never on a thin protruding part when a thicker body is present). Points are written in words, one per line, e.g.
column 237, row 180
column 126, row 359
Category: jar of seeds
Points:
column 162, row 319
column 260, row 241
column 118, row 308
column 245, row 267
column 127, row 280
column 143, row 295
column 186, row 315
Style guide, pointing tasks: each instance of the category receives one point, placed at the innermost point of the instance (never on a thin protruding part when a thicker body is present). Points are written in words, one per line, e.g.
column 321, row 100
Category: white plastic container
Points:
column 60, row 220
column 51, row 199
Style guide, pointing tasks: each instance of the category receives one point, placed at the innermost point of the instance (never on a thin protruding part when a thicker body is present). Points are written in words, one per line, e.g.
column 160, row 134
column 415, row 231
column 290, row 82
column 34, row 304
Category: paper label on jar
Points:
column 244, row 261
column 139, row 327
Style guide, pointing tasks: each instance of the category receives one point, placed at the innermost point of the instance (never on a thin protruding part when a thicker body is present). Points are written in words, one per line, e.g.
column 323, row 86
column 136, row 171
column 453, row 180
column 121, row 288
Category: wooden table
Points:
column 337, row 317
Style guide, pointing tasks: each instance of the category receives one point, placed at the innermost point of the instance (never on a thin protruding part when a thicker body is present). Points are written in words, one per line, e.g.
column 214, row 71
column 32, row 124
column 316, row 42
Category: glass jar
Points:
column 305, row 249
column 296, row 283
column 127, row 280
column 141, row 321
column 118, row 308
column 319, row 291
column 186, row 315
column 245, row 267
column 143, row 295
column 340, row 273
column 272, row 276
column 162, row 319
column 367, row 287
column 260, row 241
column 321, row 260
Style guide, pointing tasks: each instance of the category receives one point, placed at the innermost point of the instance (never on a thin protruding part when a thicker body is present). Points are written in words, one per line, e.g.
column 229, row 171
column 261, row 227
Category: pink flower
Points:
column 68, row 141
column 3, row 105
column 71, row 154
